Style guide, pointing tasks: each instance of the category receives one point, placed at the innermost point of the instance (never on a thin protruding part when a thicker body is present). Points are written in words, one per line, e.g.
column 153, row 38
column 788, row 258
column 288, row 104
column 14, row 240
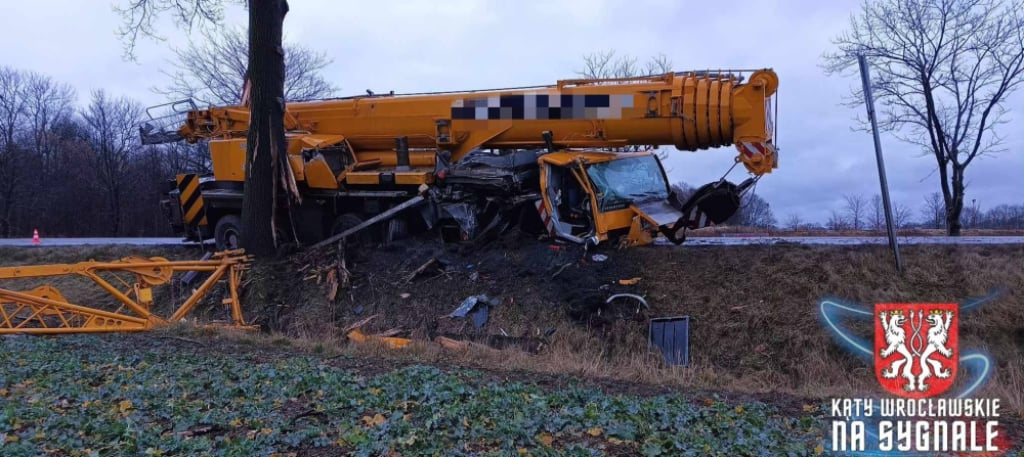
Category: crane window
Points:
column 622, row 182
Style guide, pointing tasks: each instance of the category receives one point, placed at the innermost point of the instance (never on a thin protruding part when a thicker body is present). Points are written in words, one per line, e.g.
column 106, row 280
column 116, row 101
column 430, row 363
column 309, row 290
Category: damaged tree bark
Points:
column 267, row 168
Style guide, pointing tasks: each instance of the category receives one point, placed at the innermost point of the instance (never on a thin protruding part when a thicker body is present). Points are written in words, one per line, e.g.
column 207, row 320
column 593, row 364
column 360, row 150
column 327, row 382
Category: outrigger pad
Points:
column 712, row 203
column 718, row 201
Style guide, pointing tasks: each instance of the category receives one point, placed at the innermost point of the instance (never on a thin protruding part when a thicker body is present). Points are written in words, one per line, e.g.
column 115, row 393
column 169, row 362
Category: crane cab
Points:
column 591, row 197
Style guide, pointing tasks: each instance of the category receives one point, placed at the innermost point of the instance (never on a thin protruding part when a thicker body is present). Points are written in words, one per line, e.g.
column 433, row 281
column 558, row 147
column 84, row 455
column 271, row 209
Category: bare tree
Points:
column 182, row 157
column 111, row 124
column 754, row 211
column 606, row 64
column 877, row 214
column 973, row 215
column 13, row 107
column 267, row 168
column 658, row 65
column 901, row 216
column 933, row 213
column 856, row 207
column 836, row 221
column 942, row 70
column 794, row 222
column 212, row 70
column 47, row 103
column 1005, row 217
column 682, row 191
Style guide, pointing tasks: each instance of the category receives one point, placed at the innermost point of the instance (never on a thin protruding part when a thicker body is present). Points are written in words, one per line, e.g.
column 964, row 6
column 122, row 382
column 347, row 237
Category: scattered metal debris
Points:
column 599, row 257
column 560, row 270
column 479, row 306
column 480, row 316
column 671, row 335
column 633, row 296
column 421, row 269
column 471, row 302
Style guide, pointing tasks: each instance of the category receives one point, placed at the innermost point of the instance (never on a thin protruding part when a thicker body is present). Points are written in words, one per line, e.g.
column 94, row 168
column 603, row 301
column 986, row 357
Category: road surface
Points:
column 94, row 241
column 694, row 241
column 846, row 240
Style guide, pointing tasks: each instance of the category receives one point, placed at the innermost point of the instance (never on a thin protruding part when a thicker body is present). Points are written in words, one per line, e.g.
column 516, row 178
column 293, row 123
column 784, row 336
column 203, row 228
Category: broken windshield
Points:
column 622, row 182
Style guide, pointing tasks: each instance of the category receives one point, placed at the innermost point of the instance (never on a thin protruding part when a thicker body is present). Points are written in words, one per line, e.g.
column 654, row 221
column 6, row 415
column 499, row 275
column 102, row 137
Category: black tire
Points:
column 348, row 220
column 345, row 222
column 228, row 232
column 397, row 229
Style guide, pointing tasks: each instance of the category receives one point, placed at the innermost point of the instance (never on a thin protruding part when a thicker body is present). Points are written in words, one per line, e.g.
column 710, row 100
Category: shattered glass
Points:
column 622, row 182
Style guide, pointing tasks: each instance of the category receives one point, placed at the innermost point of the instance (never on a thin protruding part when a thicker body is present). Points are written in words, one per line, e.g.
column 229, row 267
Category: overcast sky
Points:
column 411, row 46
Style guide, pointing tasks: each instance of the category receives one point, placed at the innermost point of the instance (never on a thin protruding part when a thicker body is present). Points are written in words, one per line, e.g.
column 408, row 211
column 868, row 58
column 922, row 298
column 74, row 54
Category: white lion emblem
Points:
column 895, row 340
column 937, row 335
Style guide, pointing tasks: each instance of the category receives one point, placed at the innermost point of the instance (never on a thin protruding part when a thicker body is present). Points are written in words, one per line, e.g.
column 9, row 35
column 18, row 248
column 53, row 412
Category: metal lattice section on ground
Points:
column 44, row 310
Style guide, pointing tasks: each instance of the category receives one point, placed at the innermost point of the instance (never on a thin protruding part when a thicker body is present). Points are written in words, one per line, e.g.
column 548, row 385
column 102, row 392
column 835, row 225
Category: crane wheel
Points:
column 348, row 220
column 228, row 232
column 397, row 229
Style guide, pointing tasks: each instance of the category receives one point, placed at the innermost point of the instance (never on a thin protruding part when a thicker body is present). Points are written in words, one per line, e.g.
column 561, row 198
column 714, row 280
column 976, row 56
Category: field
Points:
column 554, row 370
column 159, row 395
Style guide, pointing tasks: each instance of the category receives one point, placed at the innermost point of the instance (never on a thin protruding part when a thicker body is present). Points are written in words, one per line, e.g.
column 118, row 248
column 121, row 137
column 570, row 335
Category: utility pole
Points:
column 869, row 101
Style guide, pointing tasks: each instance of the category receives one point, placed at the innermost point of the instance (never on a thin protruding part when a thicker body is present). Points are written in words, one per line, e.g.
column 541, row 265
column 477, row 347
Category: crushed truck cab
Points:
column 589, row 196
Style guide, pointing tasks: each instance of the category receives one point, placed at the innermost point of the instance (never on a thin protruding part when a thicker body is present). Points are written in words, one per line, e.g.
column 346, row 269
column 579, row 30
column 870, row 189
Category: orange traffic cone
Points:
column 35, row 236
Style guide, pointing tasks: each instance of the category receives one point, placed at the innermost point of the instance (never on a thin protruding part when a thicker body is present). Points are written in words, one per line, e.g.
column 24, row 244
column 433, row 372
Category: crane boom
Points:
column 689, row 110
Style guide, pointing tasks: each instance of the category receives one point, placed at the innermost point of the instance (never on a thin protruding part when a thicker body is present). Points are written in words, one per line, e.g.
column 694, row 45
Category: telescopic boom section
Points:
column 690, row 110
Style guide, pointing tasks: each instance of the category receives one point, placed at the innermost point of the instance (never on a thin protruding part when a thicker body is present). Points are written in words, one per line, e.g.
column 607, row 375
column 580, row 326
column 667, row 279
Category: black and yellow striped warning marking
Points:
column 191, row 198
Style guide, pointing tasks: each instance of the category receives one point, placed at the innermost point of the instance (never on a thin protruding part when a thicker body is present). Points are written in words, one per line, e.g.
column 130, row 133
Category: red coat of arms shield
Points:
column 916, row 353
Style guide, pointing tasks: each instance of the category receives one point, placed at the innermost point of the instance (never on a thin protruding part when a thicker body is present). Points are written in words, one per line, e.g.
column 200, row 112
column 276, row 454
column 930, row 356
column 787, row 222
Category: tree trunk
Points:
column 115, row 209
column 956, row 206
column 266, row 140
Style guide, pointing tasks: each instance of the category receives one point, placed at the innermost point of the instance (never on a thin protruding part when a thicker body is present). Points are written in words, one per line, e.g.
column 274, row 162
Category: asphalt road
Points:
column 850, row 240
column 695, row 241
column 93, row 241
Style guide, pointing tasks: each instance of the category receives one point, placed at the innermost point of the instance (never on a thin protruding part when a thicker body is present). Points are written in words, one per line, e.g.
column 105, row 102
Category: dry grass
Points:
column 754, row 311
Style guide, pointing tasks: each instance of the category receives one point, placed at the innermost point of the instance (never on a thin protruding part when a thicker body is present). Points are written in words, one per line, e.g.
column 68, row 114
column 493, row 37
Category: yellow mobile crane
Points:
column 578, row 157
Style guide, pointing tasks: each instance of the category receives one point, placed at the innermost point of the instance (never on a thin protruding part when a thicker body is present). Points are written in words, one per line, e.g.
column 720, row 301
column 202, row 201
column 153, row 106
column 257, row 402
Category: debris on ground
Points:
column 422, row 268
column 671, row 335
column 629, row 282
column 633, row 296
column 477, row 307
column 390, row 341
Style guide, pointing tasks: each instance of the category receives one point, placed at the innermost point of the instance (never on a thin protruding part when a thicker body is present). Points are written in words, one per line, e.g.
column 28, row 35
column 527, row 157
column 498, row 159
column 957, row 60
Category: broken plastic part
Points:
column 392, row 342
column 671, row 335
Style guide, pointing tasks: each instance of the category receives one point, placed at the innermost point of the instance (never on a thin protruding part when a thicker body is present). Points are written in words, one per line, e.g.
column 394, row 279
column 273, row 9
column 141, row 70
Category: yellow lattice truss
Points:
column 44, row 310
